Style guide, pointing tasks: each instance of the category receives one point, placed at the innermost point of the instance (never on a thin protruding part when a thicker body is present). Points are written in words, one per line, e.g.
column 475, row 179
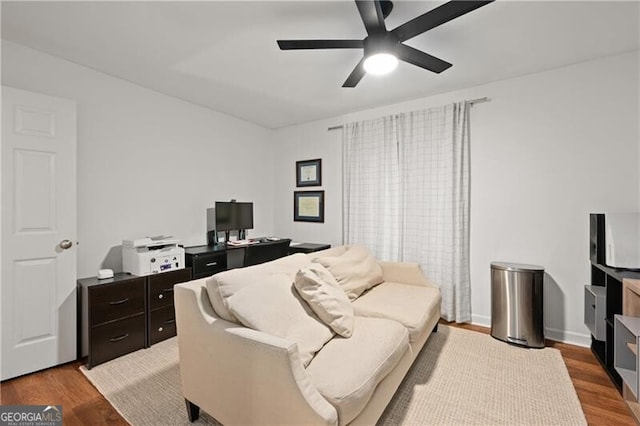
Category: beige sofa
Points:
column 242, row 376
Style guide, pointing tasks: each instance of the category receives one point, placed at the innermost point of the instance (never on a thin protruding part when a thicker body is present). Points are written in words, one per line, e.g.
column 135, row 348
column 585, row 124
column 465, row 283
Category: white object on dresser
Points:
column 151, row 255
column 103, row 274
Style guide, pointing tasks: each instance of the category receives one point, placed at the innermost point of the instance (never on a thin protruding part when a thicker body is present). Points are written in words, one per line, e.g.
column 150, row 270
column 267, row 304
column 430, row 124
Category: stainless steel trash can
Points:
column 516, row 304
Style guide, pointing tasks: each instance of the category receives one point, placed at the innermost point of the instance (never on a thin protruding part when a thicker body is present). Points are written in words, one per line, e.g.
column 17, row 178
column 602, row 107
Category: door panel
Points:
column 35, row 180
column 34, row 290
column 34, row 122
column 38, row 212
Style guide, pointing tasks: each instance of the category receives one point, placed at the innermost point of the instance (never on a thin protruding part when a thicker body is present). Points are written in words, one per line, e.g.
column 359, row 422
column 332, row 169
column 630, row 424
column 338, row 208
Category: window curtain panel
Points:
column 406, row 195
column 371, row 174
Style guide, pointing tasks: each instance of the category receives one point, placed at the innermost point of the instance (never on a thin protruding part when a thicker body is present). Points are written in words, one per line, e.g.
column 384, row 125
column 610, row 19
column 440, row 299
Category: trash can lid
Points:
column 517, row 267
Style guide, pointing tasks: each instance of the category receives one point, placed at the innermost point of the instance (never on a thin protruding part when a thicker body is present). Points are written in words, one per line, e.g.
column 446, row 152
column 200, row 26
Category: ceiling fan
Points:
column 383, row 48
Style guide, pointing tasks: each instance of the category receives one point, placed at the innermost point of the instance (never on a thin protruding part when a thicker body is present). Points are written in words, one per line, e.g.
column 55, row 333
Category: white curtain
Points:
column 406, row 195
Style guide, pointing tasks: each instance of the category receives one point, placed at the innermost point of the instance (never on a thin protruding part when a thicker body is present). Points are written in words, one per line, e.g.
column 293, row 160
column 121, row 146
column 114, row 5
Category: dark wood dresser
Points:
column 112, row 317
column 162, row 317
column 125, row 313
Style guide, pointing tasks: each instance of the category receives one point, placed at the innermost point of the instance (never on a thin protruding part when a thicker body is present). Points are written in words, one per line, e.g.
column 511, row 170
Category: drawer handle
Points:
column 117, row 339
column 168, row 290
column 119, row 302
column 171, row 321
column 212, row 263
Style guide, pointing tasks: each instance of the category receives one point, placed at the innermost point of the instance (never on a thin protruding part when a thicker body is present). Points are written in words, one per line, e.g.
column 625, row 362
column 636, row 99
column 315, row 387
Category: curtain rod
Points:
column 471, row 101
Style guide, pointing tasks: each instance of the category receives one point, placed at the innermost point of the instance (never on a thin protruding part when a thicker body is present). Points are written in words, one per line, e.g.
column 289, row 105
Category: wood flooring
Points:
column 82, row 404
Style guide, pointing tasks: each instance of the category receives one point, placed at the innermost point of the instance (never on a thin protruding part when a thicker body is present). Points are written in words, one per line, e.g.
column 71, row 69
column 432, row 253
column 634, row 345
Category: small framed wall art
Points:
column 309, row 172
column 308, row 206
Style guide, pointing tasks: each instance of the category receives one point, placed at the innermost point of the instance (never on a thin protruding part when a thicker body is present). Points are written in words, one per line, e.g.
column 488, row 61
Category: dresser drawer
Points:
column 161, row 287
column 205, row 265
column 115, row 301
column 109, row 341
column 595, row 302
column 162, row 324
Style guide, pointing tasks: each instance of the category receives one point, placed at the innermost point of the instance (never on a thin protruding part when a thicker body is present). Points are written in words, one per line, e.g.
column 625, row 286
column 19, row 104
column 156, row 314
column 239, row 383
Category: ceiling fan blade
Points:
column 436, row 17
column 356, row 75
column 319, row 44
column 371, row 14
column 421, row 59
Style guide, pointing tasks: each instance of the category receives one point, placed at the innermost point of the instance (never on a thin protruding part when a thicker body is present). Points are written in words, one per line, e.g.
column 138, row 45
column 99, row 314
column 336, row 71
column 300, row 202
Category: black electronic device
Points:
column 244, row 215
column 233, row 215
column 224, row 216
column 597, row 238
column 212, row 233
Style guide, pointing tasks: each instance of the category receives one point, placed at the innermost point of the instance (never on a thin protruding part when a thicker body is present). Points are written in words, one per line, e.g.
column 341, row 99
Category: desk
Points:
column 207, row 260
column 307, row 247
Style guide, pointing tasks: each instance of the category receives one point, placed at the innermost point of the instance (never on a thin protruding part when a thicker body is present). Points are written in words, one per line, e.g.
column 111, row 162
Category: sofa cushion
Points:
column 274, row 307
column 322, row 292
column 356, row 270
column 225, row 284
column 347, row 371
column 333, row 251
column 411, row 305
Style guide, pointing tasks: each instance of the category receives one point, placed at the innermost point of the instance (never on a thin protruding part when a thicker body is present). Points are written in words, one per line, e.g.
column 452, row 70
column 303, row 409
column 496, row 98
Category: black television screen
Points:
column 224, row 217
column 231, row 216
column 244, row 215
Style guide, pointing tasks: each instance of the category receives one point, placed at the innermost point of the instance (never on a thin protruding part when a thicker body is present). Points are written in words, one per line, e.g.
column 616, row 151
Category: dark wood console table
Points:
column 308, row 247
column 207, row 260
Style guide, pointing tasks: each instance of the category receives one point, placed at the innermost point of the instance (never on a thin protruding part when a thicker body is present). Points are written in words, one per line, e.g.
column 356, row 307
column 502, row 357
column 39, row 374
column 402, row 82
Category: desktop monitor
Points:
column 212, row 234
column 224, row 216
column 231, row 216
column 244, row 215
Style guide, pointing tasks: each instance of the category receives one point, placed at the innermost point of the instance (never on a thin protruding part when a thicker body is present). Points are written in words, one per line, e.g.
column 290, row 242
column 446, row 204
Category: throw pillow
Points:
column 274, row 307
column 322, row 292
column 225, row 284
column 356, row 270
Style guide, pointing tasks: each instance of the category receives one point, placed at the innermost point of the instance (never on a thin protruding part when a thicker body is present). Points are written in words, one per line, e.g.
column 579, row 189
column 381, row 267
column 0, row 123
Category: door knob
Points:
column 65, row 244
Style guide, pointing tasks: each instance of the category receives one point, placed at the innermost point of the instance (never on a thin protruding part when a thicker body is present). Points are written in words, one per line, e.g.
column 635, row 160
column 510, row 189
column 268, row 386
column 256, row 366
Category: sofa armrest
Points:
column 404, row 273
column 239, row 375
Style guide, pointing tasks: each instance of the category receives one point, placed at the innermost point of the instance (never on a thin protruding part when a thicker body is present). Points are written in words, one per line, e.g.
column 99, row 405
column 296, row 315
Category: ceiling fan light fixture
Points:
column 380, row 63
column 382, row 47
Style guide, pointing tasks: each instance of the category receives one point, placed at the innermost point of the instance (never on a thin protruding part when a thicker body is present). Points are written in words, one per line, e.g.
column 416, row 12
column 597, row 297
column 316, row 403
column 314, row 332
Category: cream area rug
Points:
column 460, row 377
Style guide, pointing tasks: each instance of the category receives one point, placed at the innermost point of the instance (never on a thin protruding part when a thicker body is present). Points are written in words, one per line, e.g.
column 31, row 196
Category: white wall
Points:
column 148, row 164
column 546, row 150
column 307, row 142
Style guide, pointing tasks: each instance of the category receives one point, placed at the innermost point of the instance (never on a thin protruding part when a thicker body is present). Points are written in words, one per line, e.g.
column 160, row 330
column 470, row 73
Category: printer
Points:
column 152, row 255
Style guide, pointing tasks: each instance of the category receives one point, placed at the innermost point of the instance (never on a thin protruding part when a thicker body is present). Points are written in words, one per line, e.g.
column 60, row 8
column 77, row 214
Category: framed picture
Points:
column 308, row 206
column 309, row 172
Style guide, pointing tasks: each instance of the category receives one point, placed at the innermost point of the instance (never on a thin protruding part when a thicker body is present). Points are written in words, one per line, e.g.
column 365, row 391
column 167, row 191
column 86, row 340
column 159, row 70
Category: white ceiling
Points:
column 223, row 55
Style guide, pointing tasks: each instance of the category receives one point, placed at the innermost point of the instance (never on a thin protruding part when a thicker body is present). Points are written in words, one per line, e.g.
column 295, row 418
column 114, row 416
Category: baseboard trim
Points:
column 569, row 337
column 563, row 336
column 481, row 320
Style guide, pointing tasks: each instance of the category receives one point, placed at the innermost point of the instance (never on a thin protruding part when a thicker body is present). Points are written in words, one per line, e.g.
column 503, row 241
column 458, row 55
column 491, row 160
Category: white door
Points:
column 38, row 287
